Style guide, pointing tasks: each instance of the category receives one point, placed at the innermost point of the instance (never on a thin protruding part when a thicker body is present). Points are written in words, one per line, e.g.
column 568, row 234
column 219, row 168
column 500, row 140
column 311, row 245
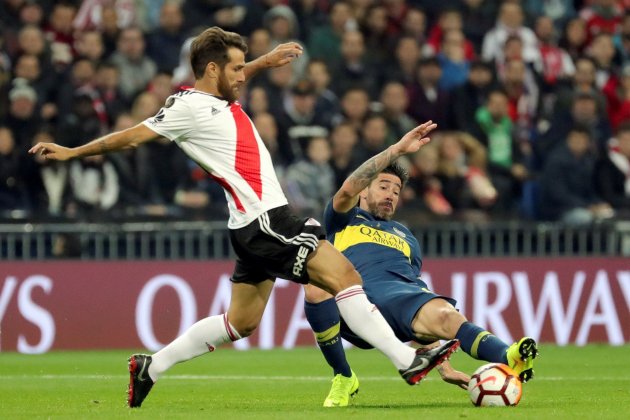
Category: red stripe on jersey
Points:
column 247, row 162
column 227, row 187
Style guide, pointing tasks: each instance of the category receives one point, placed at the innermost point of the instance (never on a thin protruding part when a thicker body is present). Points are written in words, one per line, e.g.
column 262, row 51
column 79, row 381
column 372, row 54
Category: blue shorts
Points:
column 398, row 301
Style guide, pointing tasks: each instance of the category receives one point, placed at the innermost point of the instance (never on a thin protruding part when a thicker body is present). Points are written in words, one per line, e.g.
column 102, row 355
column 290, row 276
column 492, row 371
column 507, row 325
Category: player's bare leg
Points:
column 331, row 271
column 438, row 319
column 246, row 309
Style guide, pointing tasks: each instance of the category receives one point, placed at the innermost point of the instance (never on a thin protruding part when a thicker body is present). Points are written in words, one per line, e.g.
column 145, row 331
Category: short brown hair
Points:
column 212, row 46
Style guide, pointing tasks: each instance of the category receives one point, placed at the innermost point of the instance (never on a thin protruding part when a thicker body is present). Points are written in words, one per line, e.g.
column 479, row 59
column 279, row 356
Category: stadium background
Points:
column 511, row 222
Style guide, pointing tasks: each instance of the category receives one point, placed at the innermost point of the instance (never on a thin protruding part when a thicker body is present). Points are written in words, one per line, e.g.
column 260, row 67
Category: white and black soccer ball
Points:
column 494, row 385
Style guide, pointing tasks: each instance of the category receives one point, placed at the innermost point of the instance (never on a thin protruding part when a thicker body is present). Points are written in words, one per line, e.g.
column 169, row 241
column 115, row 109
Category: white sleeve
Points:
column 173, row 120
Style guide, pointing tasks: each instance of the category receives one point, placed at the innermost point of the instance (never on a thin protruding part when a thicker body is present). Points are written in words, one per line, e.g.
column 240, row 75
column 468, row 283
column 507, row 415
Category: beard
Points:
column 380, row 210
column 229, row 93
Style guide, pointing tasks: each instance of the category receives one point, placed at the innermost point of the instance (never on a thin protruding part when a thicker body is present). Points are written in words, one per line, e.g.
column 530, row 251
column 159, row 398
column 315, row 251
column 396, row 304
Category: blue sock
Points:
column 325, row 322
column 480, row 344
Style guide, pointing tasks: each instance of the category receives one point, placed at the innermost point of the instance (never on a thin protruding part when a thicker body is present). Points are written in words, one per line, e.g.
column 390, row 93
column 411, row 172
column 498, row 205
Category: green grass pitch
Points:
column 571, row 382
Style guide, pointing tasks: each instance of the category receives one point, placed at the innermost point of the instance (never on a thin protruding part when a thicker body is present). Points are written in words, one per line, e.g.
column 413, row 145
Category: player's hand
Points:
column 453, row 376
column 52, row 151
column 283, row 54
column 415, row 139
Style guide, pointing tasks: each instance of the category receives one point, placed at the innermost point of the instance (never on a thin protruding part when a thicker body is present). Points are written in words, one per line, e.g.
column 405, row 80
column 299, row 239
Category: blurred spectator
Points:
column 618, row 98
column 557, row 11
column 462, row 171
column 472, row 94
column 523, row 95
column 12, row 189
column 327, row 103
column 602, row 51
column 556, row 63
column 94, row 186
column 164, row 43
column 583, row 81
column 206, row 13
column 405, row 64
column 46, row 181
column 253, row 15
column 395, row 101
column 567, row 187
column 602, row 16
column 282, row 25
column 449, row 20
column 396, row 11
column 139, row 192
column 355, row 105
column 31, row 41
column 299, row 122
column 60, row 34
column 415, row 25
column 583, row 112
column 80, row 125
column 27, row 67
column 259, row 44
column 325, row 41
column 374, row 136
column 574, row 38
column 374, row 29
column 344, row 140
column 612, row 172
column 354, row 69
column 622, row 40
column 310, row 181
column 509, row 23
column 256, row 101
column 110, row 28
column 22, row 118
column 277, row 83
column 90, row 45
column 426, row 100
column 104, row 14
column 310, row 15
column 136, row 69
column 452, row 58
column 79, row 79
column 479, row 18
column 505, row 159
column 268, row 130
column 161, row 86
column 106, row 84
column 183, row 74
column 425, row 190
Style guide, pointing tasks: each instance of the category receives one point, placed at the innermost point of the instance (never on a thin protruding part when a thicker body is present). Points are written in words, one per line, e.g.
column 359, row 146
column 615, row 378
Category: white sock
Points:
column 367, row 322
column 202, row 337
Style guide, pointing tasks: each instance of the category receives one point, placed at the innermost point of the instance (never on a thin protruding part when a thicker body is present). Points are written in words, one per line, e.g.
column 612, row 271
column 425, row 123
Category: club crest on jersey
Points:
column 169, row 102
column 399, row 232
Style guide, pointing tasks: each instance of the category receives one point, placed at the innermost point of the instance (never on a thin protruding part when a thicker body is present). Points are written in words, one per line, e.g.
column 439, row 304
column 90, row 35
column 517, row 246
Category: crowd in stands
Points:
column 532, row 100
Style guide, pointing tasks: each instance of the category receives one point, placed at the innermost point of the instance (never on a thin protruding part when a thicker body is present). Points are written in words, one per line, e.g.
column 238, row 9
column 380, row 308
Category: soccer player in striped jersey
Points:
column 209, row 125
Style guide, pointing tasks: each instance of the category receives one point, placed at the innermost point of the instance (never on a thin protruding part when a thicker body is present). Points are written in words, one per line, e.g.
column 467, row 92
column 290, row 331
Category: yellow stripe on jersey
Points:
column 361, row 234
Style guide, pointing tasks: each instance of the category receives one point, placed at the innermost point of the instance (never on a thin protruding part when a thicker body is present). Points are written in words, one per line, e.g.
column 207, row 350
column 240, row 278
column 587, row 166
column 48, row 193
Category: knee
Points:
column 449, row 321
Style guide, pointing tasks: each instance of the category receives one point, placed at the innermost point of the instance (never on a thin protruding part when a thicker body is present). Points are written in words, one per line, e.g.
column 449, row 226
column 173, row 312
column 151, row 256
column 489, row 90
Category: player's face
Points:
column 232, row 76
column 381, row 197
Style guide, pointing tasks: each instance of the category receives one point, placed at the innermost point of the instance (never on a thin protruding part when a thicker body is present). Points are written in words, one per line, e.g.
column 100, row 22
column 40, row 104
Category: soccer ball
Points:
column 494, row 384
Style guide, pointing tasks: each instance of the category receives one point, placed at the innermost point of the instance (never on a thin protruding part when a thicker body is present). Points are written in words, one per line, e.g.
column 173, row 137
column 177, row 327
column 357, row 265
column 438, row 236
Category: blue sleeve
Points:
column 333, row 221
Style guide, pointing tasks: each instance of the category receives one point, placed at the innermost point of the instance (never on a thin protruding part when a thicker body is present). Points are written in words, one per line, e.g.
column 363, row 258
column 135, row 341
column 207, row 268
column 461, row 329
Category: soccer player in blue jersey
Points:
column 358, row 221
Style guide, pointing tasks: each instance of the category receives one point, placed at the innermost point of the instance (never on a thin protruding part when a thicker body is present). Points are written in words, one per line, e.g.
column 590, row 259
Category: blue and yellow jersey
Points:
column 378, row 249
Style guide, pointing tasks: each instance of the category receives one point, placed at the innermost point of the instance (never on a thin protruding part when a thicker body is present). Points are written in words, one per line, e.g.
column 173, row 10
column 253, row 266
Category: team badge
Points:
column 400, row 233
column 169, row 102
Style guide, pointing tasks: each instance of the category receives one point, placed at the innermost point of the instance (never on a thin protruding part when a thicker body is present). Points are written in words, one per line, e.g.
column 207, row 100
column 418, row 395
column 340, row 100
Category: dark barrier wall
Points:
column 91, row 305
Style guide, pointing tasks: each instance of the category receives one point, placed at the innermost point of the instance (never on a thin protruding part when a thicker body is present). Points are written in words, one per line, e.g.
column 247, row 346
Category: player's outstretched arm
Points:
column 346, row 197
column 279, row 56
column 125, row 139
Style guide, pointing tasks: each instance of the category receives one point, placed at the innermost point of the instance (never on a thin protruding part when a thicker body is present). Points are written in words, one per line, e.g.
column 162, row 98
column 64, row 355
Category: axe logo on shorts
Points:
column 298, row 266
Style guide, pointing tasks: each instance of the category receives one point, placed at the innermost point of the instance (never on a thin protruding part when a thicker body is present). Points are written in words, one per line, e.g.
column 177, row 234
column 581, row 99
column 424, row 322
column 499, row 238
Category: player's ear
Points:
column 212, row 70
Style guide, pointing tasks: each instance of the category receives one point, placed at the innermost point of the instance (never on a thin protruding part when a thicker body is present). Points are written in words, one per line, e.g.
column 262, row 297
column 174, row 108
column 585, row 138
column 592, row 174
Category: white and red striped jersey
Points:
column 221, row 138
